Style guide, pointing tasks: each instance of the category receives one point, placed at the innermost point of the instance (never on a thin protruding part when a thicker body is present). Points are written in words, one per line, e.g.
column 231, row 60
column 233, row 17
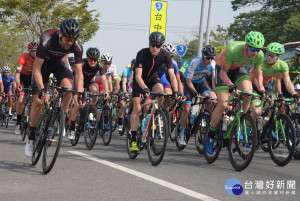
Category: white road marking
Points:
column 161, row 182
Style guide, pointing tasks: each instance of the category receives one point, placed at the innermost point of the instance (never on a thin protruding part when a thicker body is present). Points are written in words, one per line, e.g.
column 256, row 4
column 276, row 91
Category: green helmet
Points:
column 255, row 39
column 276, row 48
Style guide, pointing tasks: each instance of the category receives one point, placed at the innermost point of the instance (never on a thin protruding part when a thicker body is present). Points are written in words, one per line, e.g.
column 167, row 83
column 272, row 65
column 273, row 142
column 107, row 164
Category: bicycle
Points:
column 5, row 116
column 86, row 121
column 49, row 130
column 113, row 104
column 155, row 136
column 175, row 112
column 125, row 120
column 240, row 137
column 25, row 119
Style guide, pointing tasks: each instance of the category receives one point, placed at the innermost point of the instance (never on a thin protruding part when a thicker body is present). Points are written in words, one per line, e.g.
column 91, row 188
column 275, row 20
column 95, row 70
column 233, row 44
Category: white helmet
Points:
column 106, row 57
column 170, row 48
column 5, row 69
column 297, row 50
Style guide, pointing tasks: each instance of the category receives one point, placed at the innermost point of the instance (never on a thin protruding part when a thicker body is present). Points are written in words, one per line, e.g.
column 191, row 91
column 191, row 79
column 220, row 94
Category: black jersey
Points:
column 150, row 64
column 51, row 49
column 90, row 72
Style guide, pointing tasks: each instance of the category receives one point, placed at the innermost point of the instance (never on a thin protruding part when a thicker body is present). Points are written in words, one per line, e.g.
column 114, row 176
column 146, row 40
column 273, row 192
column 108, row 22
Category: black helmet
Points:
column 209, row 51
column 70, row 28
column 157, row 37
column 32, row 45
column 179, row 62
column 133, row 61
column 71, row 61
column 93, row 53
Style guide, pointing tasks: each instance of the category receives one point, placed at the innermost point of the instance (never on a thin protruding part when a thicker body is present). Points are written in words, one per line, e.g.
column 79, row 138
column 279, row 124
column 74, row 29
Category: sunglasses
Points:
column 209, row 58
column 67, row 39
column 272, row 55
column 253, row 49
column 94, row 60
column 155, row 45
column 107, row 63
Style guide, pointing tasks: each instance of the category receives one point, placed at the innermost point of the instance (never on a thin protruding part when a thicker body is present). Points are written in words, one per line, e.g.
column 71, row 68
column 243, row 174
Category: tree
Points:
column 277, row 20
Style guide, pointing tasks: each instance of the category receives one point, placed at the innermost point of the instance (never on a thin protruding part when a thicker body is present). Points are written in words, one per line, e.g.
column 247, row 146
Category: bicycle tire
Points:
column 132, row 155
column 57, row 124
column 6, row 121
column 245, row 151
column 155, row 153
column 201, row 131
column 40, row 131
column 79, row 127
column 218, row 142
column 289, row 129
column 106, row 134
column 90, row 128
column 114, row 118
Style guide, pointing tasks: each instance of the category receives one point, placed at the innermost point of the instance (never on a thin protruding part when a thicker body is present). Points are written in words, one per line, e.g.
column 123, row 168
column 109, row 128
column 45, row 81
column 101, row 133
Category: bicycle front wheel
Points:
column 157, row 137
column 242, row 144
column 202, row 130
column 105, row 127
column 90, row 127
column 282, row 143
column 53, row 140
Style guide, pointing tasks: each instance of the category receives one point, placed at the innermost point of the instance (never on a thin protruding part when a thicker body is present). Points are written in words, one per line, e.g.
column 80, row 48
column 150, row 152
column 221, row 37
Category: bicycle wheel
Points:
column 217, row 146
column 157, row 137
column 187, row 135
column 53, row 140
column 282, row 144
column 132, row 155
column 105, row 127
column 173, row 124
column 6, row 121
column 79, row 127
column 202, row 130
column 40, row 132
column 114, row 118
column 242, row 144
column 90, row 127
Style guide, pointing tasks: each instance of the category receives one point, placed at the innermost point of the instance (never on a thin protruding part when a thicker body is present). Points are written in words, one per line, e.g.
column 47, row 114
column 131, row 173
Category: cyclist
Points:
column 51, row 57
column 90, row 67
column 148, row 60
column 126, row 88
column 23, row 79
column 230, row 73
column 262, row 75
column 196, row 84
column 294, row 71
column 8, row 81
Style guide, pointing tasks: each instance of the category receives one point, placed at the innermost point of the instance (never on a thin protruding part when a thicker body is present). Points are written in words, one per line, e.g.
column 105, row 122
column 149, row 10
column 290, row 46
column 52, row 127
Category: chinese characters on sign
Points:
column 158, row 18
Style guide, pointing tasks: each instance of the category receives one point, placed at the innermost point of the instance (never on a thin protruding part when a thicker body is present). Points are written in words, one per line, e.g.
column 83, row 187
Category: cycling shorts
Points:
column 201, row 88
column 150, row 82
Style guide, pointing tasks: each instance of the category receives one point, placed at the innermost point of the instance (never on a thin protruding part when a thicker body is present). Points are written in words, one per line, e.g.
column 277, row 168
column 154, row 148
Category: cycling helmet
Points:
column 209, row 51
column 133, row 61
column 33, row 45
column 5, row 69
column 71, row 61
column 157, row 37
column 297, row 50
column 255, row 39
column 170, row 48
column 93, row 53
column 70, row 28
column 276, row 48
column 106, row 57
column 179, row 62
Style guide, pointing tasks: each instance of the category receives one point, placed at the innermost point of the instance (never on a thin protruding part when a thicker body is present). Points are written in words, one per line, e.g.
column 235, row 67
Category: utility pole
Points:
column 208, row 24
column 200, row 40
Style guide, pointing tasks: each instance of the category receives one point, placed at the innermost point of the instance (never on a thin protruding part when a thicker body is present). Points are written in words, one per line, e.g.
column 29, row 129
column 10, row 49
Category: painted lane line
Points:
column 147, row 177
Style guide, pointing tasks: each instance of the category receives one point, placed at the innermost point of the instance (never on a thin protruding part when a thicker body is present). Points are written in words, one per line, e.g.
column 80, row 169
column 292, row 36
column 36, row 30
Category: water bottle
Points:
column 145, row 122
column 231, row 118
column 127, row 112
column 259, row 123
column 192, row 119
column 266, row 119
column 225, row 122
column 26, row 111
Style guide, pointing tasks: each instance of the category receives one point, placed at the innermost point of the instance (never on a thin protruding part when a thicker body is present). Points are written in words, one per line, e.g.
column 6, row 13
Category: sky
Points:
column 124, row 24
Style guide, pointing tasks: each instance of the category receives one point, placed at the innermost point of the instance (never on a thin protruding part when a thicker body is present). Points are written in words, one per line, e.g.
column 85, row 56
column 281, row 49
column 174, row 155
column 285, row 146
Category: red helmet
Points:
column 33, row 45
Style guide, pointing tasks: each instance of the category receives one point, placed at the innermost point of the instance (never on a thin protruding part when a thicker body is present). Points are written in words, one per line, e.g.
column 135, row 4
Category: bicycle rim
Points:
column 106, row 134
column 91, row 128
column 202, row 130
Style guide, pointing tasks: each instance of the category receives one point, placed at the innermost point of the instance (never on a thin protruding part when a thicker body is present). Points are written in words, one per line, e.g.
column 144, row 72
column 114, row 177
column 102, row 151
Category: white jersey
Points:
column 111, row 72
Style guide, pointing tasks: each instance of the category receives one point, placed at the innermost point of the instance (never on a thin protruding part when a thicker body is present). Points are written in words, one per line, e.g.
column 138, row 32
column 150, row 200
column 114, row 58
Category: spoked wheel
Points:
column 25, row 129
column 53, row 140
column 282, row 144
column 217, row 145
column 114, row 119
column 202, row 130
column 105, row 127
column 91, row 128
column 175, row 126
column 40, row 131
column 157, row 137
column 79, row 127
column 242, row 144
column 6, row 121
column 187, row 135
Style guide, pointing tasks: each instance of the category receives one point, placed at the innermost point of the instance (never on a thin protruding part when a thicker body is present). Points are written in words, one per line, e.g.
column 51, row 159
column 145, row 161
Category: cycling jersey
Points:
column 111, row 72
column 7, row 83
column 25, row 64
column 294, row 68
column 233, row 56
column 90, row 72
column 127, row 72
column 269, row 72
column 163, row 71
column 196, row 73
column 51, row 49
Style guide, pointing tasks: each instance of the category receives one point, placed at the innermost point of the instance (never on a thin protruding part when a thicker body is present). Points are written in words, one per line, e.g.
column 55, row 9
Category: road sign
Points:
column 181, row 50
column 185, row 65
column 158, row 16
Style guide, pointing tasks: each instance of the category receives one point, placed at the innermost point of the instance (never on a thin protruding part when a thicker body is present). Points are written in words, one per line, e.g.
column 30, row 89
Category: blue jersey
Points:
column 127, row 72
column 196, row 73
column 7, row 82
column 162, row 70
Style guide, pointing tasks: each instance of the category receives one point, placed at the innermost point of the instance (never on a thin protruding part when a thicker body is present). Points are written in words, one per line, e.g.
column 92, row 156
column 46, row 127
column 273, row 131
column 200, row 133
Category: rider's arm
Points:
column 104, row 82
column 138, row 77
column 1, row 86
column 110, row 86
column 190, row 85
column 79, row 77
column 37, row 65
column 224, row 77
column 173, row 79
column 17, row 78
column 180, row 85
column 117, row 83
column 258, row 79
column 289, row 85
column 278, row 83
column 124, row 81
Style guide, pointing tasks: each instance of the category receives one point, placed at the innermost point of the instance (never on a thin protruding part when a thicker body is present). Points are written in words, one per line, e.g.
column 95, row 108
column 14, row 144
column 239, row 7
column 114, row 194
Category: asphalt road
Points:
column 106, row 173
